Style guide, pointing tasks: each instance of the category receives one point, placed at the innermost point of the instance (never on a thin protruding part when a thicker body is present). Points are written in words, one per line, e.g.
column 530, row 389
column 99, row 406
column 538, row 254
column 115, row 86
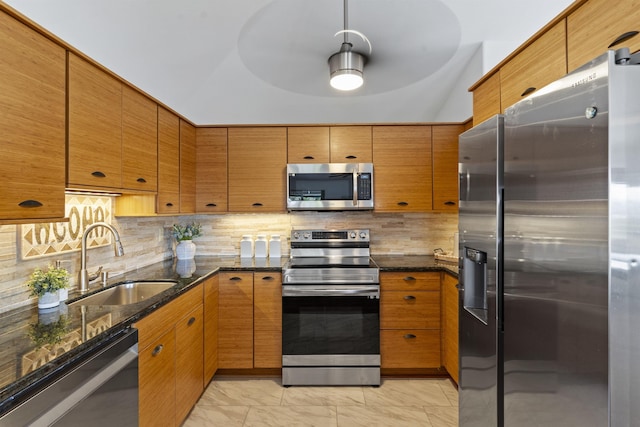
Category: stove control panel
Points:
column 330, row 235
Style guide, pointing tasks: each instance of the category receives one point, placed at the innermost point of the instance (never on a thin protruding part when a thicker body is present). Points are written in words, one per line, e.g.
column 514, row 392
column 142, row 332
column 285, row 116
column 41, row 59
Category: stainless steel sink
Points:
column 127, row 293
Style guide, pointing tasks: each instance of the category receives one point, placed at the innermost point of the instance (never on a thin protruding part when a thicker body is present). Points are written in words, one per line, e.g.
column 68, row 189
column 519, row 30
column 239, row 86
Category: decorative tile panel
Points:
column 36, row 240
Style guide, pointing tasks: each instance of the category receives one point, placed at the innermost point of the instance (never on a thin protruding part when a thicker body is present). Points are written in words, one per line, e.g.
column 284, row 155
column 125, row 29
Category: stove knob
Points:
column 307, row 235
column 296, row 235
column 363, row 235
column 352, row 235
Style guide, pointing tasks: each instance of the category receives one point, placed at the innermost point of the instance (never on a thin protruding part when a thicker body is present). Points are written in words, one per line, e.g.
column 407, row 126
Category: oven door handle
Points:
column 288, row 291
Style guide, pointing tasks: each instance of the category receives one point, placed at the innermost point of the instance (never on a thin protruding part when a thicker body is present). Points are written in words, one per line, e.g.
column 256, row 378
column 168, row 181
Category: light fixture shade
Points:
column 345, row 69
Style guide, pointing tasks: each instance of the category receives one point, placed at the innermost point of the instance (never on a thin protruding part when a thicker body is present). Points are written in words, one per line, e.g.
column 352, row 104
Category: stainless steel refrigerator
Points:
column 550, row 255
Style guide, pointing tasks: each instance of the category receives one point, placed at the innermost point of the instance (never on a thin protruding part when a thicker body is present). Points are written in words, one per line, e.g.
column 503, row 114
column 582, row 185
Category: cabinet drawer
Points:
column 410, row 281
column 165, row 317
column 410, row 348
column 408, row 309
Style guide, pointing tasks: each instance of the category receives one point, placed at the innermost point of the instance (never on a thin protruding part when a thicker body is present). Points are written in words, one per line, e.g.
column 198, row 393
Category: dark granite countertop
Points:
column 37, row 345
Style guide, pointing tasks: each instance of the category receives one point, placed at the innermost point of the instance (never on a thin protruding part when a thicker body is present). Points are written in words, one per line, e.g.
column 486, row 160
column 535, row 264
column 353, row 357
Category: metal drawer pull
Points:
column 141, row 180
column 169, row 204
column 211, row 205
column 403, row 204
column 235, row 278
column 408, row 278
column 267, row 278
column 410, row 336
column 257, row 204
column 98, row 174
column 623, row 37
column 351, row 157
column 528, row 90
column 191, row 321
column 409, row 297
column 30, row 204
column 450, row 203
column 156, row 351
column 308, row 157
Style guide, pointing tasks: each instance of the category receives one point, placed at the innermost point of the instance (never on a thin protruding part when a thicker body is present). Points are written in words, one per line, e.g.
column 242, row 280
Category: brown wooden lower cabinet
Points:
column 235, row 320
column 410, row 348
column 267, row 320
column 189, row 362
column 211, row 298
column 157, row 375
column 450, row 325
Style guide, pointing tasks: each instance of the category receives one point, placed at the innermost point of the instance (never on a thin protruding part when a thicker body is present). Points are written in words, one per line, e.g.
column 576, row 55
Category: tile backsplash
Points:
column 148, row 240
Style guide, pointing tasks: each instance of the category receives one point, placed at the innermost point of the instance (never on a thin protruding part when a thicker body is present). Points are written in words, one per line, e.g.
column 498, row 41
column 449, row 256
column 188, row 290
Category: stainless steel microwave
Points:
column 329, row 186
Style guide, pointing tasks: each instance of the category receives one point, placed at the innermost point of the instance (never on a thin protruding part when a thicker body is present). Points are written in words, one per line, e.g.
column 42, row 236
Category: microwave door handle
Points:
column 355, row 185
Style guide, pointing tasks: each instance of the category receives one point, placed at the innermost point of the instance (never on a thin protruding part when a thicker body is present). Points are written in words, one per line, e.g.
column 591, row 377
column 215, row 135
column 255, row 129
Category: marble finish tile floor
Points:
column 244, row 402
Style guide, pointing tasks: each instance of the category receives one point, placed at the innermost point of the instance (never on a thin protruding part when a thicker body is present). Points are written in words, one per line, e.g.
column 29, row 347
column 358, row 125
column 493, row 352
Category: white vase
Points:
column 48, row 300
column 185, row 268
column 186, row 249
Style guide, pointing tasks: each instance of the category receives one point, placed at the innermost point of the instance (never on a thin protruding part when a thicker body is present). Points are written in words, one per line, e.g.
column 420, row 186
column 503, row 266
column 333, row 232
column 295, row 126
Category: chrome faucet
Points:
column 84, row 275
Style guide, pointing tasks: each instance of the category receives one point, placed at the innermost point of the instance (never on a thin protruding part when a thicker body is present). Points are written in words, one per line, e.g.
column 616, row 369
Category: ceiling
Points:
column 265, row 61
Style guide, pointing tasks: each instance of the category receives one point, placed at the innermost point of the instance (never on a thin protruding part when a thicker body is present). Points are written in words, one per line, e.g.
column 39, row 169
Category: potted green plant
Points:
column 42, row 333
column 184, row 234
column 46, row 284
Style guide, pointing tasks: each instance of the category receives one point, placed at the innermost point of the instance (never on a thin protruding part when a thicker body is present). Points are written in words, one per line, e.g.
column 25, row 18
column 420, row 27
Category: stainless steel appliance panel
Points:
column 480, row 154
column 624, row 245
column 556, row 253
column 357, row 375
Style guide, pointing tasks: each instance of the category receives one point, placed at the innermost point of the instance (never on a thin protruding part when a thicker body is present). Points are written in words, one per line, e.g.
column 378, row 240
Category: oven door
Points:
column 331, row 325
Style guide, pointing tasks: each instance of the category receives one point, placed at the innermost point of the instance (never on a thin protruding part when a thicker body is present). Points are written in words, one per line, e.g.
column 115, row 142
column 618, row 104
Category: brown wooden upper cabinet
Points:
column 168, row 200
column 139, row 141
column 257, row 162
column 599, row 25
column 445, row 166
column 486, row 99
column 350, row 144
column 402, row 167
column 308, row 144
column 95, row 127
column 539, row 64
column 187, row 167
column 32, row 102
column 211, row 170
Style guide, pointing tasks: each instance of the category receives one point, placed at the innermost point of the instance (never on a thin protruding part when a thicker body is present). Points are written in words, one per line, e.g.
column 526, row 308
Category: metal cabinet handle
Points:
column 191, row 321
column 409, row 278
column 528, row 90
column 267, row 278
column 623, row 37
column 211, row 205
column 257, row 204
column 308, row 157
column 141, row 180
column 409, row 297
column 98, row 174
column 351, row 157
column 156, row 351
column 169, row 204
column 403, row 204
column 409, row 336
column 450, row 203
column 30, row 204
column 235, row 278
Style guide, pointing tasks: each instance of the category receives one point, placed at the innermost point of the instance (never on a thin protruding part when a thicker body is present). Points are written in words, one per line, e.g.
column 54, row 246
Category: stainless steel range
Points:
column 331, row 310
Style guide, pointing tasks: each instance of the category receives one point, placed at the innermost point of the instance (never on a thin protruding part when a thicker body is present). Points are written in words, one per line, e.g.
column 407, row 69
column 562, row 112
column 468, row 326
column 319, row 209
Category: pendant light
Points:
column 346, row 66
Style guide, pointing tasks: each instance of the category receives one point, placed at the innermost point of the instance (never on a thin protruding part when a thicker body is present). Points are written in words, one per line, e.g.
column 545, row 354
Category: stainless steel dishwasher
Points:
column 100, row 389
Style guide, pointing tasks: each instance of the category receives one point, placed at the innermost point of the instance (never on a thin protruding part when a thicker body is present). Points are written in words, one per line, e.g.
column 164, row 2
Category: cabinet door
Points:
column 350, row 144
column 187, row 167
column 189, row 362
column 95, row 127
column 211, row 170
column 168, row 162
column 445, row 167
column 410, row 348
column 139, row 141
column 409, row 310
column 235, row 321
column 597, row 24
column 486, row 99
column 402, row 157
column 257, row 163
column 526, row 72
column 308, row 144
column 32, row 118
column 210, row 328
column 410, row 281
column 450, row 325
column 267, row 320
column 157, row 376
